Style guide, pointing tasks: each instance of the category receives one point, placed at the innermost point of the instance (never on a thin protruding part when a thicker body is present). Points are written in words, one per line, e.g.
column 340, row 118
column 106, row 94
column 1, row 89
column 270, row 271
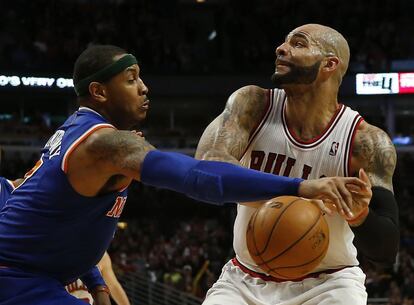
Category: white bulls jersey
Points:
column 275, row 149
column 79, row 291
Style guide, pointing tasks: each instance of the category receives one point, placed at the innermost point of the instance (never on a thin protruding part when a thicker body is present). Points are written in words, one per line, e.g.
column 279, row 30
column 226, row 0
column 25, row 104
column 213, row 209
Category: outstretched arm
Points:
column 376, row 229
column 109, row 153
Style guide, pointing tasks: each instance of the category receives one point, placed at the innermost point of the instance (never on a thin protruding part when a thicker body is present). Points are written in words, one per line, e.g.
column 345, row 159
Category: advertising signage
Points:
column 28, row 81
column 385, row 83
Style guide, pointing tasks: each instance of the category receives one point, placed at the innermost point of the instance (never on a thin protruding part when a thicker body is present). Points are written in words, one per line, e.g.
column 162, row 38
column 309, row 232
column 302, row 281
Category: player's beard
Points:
column 299, row 75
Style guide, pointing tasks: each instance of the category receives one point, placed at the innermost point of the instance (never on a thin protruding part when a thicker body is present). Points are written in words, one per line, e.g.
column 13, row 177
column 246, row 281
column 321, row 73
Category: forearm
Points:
column 118, row 294
column 214, row 182
column 378, row 236
column 224, row 156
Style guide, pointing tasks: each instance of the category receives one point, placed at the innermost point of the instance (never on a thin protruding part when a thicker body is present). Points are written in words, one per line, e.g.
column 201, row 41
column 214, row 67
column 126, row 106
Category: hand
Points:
column 332, row 190
column 138, row 133
column 361, row 199
column 100, row 297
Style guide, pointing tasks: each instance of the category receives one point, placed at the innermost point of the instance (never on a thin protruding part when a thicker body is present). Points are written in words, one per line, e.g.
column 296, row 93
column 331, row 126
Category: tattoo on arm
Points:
column 226, row 138
column 374, row 149
column 123, row 149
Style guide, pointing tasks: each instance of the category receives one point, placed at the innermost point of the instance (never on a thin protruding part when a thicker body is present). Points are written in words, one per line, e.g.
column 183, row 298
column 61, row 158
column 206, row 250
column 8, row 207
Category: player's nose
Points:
column 281, row 50
column 142, row 88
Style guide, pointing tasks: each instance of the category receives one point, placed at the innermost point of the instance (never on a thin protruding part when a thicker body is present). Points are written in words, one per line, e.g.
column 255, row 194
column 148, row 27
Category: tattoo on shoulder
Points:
column 241, row 115
column 248, row 104
column 226, row 138
column 375, row 151
column 120, row 147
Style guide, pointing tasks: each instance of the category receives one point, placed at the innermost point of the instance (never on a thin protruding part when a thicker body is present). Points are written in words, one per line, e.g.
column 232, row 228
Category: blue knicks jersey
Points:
column 6, row 187
column 46, row 226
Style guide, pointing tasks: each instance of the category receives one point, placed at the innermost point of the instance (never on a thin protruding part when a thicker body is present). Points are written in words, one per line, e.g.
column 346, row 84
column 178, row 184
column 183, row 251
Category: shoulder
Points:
column 374, row 151
column 371, row 141
column 248, row 95
column 247, row 104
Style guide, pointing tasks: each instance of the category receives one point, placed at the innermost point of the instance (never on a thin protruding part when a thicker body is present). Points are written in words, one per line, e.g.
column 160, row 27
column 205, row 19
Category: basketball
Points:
column 287, row 237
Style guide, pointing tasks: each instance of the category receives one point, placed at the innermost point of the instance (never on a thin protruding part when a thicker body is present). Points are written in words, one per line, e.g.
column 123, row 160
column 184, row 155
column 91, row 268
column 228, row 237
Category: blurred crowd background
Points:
column 193, row 54
column 216, row 36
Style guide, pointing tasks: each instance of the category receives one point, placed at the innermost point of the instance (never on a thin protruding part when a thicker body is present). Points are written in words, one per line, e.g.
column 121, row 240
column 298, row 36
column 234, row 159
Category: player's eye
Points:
column 299, row 44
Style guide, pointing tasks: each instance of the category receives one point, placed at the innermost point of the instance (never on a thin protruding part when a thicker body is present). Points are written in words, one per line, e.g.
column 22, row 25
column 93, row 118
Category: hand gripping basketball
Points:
column 332, row 190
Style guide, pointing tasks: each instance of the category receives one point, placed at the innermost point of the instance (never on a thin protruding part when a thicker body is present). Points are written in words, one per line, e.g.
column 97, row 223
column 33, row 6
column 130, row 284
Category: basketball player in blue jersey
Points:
column 95, row 286
column 61, row 219
column 300, row 130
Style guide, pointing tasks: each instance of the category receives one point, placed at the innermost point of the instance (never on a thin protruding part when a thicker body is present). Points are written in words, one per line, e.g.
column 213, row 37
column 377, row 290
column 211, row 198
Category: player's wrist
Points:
column 99, row 289
column 359, row 219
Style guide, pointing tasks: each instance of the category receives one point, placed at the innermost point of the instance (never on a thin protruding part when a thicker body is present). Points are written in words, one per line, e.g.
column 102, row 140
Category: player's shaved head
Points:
column 330, row 41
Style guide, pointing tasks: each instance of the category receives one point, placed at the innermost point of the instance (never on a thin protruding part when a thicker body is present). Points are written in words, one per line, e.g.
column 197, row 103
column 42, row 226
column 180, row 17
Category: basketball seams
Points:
column 251, row 227
column 252, row 222
column 274, row 226
column 304, row 264
column 293, row 244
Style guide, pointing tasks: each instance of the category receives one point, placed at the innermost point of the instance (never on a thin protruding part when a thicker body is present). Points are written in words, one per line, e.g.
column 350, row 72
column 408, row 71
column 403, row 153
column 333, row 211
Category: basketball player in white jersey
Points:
column 80, row 291
column 300, row 130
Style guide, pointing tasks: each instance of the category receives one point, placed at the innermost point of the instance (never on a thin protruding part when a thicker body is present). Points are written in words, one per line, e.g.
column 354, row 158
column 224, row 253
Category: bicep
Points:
column 224, row 139
column 227, row 137
column 117, row 152
column 376, row 153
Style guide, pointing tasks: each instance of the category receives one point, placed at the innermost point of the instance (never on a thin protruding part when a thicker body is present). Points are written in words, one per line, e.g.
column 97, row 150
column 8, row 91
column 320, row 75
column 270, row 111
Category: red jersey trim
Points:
column 78, row 141
column 350, row 143
column 317, row 140
column 269, row 278
column 255, row 131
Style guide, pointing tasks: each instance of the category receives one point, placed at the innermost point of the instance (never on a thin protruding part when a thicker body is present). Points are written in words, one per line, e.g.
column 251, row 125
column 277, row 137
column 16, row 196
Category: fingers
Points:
column 356, row 181
column 139, row 133
column 347, row 197
column 354, row 189
column 339, row 201
column 364, row 177
column 324, row 208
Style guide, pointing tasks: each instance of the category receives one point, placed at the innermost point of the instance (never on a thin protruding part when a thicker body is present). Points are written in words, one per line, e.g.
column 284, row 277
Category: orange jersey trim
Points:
column 82, row 138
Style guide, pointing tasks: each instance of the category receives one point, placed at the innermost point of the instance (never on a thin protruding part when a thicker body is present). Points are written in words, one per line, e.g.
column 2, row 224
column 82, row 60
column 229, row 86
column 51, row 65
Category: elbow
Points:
column 383, row 261
column 385, row 257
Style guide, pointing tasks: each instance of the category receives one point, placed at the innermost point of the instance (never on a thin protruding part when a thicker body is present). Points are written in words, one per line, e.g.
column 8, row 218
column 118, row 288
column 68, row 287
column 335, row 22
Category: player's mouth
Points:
column 145, row 105
column 282, row 63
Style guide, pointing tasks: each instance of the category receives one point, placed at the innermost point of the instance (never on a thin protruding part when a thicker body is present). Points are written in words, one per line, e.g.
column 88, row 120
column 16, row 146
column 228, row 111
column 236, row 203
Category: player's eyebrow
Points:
column 133, row 70
column 299, row 34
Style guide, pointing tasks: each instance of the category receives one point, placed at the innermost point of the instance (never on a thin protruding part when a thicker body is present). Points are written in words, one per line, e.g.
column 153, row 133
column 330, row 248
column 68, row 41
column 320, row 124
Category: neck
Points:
column 309, row 109
column 106, row 114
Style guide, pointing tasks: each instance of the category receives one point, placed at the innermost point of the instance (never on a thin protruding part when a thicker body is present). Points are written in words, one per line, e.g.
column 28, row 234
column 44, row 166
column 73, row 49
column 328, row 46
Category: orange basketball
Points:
column 287, row 237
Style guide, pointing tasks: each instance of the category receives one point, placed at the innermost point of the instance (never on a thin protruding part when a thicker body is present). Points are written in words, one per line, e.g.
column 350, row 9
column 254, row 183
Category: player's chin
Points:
column 141, row 114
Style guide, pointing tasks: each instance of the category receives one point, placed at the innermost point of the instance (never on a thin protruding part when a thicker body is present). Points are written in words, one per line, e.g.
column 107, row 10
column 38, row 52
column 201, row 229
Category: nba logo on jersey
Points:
column 117, row 208
column 334, row 148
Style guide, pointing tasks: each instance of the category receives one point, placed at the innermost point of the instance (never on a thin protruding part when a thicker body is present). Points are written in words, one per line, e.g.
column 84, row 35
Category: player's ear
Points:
column 97, row 91
column 331, row 64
